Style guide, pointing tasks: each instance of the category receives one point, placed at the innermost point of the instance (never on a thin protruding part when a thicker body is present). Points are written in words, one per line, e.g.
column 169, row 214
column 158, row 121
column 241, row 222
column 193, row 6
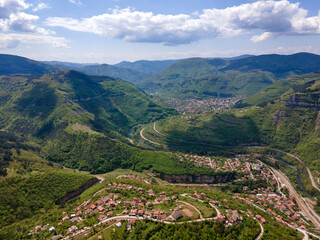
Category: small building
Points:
column 93, row 207
column 156, row 214
column 140, row 212
column 119, row 224
column 110, row 214
column 38, row 229
column 101, row 209
column 133, row 212
column 72, row 229
column 132, row 222
column 78, row 213
column 176, row 215
column 149, row 204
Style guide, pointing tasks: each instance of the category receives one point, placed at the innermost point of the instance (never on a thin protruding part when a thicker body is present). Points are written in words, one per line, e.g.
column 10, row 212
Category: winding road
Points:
column 299, row 160
column 306, row 209
column 144, row 138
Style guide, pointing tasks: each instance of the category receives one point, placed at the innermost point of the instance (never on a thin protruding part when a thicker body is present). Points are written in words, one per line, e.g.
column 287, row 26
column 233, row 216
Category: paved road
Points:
column 298, row 159
column 141, row 134
column 261, row 231
column 155, row 129
column 311, row 214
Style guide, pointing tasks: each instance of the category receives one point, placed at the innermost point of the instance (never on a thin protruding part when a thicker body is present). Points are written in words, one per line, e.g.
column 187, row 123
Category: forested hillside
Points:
column 288, row 116
column 197, row 77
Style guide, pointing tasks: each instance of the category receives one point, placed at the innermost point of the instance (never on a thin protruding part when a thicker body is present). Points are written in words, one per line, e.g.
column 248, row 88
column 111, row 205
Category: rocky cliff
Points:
column 73, row 194
column 217, row 178
column 303, row 100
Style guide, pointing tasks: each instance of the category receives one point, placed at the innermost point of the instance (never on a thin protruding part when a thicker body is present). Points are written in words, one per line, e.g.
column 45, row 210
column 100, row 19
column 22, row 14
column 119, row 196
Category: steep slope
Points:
column 199, row 77
column 37, row 105
column 290, row 121
column 213, row 77
column 281, row 87
column 279, row 65
column 147, row 67
column 10, row 64
column 113, row 71
column 80, row 121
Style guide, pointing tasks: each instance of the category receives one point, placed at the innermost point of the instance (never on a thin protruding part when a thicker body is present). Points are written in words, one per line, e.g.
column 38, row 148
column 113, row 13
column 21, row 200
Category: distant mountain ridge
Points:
column 147, row 67
column 113, row 71
column 11, row 64
column 200, row 77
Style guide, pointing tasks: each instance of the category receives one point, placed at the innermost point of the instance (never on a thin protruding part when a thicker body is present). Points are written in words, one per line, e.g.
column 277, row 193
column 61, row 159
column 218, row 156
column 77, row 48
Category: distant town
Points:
column 195, row 106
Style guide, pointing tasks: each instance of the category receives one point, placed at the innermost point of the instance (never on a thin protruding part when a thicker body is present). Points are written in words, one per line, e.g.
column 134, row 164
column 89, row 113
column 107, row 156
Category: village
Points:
column 195, row 106
column 120, row 204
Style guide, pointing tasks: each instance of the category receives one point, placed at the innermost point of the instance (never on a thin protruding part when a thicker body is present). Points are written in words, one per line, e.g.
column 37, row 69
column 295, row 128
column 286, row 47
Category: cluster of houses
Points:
column 281, row 208
column 111, row 202
column 249, row 166
column 196, row 106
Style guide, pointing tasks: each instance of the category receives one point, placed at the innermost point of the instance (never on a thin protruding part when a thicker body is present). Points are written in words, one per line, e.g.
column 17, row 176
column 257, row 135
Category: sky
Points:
column 111, row 31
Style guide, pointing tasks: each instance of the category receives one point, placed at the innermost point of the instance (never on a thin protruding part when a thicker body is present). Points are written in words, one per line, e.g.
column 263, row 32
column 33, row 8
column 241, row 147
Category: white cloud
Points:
column 77, row 2
column 273, row 18
column 40, row 7
column 13, row 40
column 8, row 43
column 7, row 7
column 12, row 17
column 17, row 27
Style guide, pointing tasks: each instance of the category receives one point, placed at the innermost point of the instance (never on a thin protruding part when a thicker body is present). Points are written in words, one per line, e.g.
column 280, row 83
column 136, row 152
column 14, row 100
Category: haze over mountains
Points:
column 194, row 77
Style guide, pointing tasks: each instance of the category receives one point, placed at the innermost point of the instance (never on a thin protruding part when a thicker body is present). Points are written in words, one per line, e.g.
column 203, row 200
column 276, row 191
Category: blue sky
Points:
column 110, row 31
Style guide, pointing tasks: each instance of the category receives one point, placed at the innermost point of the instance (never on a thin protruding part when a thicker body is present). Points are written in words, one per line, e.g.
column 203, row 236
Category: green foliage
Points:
column 10, row 64
column 99, row 154
column 7, row 143
column 21, row 197
column 147, row 67
column 248, row 229
column 211, row 133
column 42, row 106
column 198, row 77
column 283, row 87
column 123, row 73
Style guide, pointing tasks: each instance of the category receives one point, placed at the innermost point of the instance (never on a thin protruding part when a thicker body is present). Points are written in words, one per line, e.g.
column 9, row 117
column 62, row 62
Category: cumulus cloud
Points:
column 272, row 18
column 40, row 7
column 8, row 7
column 17, row 27
column 12, row 40
column 12, row 17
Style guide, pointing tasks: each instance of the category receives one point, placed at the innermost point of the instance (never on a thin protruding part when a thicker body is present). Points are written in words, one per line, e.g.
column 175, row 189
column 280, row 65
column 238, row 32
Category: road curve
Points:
column 299, row 160
column 261, row 231
column 312, row 215
column 141, row 134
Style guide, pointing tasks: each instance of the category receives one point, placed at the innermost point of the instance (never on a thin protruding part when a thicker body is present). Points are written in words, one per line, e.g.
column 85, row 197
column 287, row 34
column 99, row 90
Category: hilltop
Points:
column 36, row 104
column 10, row 64
column 198, row 77
column 123, row 73
column 147, row 67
